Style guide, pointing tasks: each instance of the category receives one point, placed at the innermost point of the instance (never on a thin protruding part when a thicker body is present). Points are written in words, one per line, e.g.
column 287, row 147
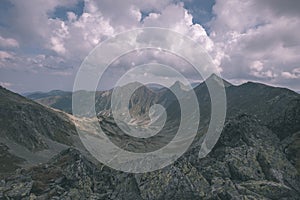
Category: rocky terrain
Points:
column 247, row 163
column 256, row 157
column 31, row 132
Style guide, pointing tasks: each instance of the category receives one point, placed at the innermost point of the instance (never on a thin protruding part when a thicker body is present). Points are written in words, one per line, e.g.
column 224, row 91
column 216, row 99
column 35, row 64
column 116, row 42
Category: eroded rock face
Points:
column 249, row 154
column 69, row 176
column 248, row 162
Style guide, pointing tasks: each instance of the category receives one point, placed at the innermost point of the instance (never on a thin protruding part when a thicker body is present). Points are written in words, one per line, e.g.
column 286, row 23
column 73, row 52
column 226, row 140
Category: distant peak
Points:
column 215, row 78
column 179, row 85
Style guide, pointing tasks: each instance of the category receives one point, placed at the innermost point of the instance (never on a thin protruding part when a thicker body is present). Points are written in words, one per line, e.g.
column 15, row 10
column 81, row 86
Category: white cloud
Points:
column 5, row 55
column 256, row 39
column 257, row 66
column 39, row 63
column 8, row 42
column 29, row 20
column 248, row 39
column 177, row 18
column 73, row 39
column 6, row 84
column 59, row 34
column 5, row 58
column 294, row 74
column 120, row 14
column 136, row 13
column 57, row 45
column 264, row 74
column 256, row 69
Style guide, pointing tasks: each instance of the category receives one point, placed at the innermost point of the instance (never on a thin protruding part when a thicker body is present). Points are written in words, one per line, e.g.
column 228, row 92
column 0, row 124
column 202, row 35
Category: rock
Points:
column 224, row 189
column 252, row 165
column 19, row 190
column 32, row 197
column 269, row 189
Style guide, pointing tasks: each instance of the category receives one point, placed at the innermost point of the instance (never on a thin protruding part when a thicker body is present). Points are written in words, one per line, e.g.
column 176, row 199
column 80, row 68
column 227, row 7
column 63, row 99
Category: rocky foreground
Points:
column 248, row 162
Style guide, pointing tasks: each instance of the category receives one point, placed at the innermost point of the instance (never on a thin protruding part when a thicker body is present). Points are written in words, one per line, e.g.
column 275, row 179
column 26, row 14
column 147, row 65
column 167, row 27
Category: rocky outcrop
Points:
column 248, row 162
column 69, row 176
column 249, row 157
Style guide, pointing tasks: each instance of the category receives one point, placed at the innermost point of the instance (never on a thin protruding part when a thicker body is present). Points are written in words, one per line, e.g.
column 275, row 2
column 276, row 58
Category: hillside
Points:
column 256, row 157
column 28, row 128
column 247, row 163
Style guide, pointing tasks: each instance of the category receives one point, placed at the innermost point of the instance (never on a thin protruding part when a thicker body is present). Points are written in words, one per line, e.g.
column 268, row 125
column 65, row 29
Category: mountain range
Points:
column 256, row 157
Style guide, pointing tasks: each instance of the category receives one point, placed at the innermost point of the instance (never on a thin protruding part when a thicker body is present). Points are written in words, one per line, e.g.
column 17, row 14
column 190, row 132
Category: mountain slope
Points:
column 32, row 131
column 247, row 163
column 56, row 99
column 256, row 157
column 8, row 162
column 27, row 122
column 277, row 108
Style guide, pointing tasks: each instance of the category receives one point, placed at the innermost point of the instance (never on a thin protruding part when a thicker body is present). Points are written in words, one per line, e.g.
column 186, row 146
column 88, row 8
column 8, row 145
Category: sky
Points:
column 43, row 43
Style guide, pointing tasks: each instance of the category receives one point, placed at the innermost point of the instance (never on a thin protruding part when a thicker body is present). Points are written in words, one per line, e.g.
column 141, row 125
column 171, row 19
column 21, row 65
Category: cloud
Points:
column 282, row 8
column 294, row 74
column 27, row 21
column 5, row 58
column 5, row 55
column 72, row 39
column 257, row 66
column 8, row 42
column 257, row 40
column 136, row 58
column 6, row 84
column 249, row 39
column 125, row 14
column 177, row 18
column 39, row 63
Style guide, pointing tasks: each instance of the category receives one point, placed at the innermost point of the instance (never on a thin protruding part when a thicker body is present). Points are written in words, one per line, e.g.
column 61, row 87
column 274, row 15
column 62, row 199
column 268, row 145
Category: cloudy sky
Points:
column 42, row 43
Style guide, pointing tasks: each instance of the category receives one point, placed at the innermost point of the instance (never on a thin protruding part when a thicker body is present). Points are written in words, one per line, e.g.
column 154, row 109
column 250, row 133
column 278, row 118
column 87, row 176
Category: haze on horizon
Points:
column 43, row 44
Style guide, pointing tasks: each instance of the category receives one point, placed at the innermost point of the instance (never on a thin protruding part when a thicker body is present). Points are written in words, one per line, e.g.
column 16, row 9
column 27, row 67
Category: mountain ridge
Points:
column 256, row 156
column 31, row 131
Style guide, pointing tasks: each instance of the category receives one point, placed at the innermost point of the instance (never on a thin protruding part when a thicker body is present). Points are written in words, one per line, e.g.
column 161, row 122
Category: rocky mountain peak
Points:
column 213, row 78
